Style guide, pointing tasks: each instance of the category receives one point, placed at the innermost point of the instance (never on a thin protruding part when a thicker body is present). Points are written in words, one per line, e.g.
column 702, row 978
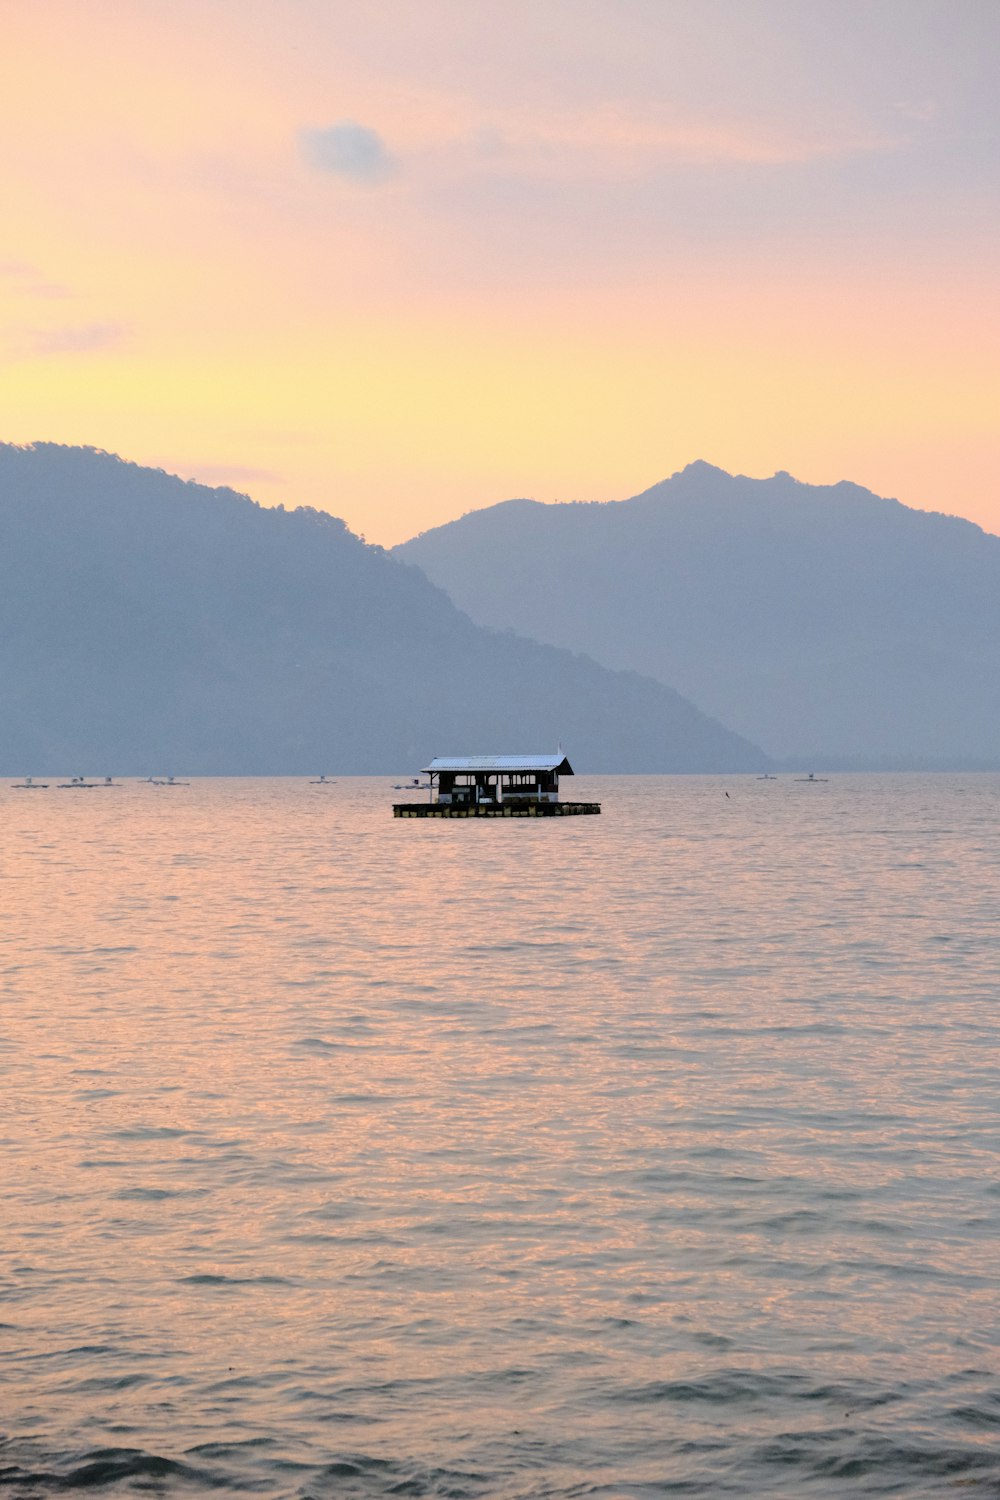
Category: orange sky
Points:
column 403, row 260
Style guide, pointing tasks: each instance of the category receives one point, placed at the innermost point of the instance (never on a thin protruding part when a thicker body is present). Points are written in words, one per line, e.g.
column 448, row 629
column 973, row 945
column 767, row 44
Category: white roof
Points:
column 557, row 762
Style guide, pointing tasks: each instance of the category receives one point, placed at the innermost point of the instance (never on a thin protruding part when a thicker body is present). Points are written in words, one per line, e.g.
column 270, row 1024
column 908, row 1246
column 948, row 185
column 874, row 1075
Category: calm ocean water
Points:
column 640, row 1155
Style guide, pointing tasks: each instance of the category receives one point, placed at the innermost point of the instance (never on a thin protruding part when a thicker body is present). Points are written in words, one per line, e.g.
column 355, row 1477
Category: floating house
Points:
column 495, row 786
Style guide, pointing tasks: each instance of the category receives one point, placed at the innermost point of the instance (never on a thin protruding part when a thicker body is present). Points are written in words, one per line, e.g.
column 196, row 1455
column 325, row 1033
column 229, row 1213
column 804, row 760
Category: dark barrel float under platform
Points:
column 495, row 786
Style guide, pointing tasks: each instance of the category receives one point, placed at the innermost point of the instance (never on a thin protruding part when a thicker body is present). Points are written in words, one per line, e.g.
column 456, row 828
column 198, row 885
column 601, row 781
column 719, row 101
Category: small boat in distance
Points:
column 810, row 777
column 77, row 784
column 167, row 781
column 323, row 781
column 767, row 777
column 30, row 785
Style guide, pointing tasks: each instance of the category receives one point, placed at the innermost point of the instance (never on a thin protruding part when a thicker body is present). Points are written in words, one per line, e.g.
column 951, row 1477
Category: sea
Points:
column 639, row 1155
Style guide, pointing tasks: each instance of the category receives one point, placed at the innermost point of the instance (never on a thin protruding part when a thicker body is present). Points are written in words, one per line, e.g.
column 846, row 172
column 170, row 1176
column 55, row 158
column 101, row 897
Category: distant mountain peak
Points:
column 700, row 469
column 149, row 621
column 812, row 618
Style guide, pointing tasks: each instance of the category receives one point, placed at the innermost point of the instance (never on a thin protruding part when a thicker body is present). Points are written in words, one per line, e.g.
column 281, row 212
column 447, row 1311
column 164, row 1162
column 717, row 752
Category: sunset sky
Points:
column 400, row 259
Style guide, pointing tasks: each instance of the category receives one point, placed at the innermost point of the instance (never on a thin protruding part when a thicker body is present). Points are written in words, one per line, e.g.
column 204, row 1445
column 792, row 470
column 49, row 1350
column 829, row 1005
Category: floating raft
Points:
column 503, row 810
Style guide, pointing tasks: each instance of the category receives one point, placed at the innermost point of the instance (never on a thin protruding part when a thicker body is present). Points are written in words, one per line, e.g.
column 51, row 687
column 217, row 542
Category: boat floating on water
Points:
column 495, row 786
column 29, row 784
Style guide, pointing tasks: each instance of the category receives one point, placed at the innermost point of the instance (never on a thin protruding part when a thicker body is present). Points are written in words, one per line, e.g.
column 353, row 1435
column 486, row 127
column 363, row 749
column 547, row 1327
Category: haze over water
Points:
column 625, row 1156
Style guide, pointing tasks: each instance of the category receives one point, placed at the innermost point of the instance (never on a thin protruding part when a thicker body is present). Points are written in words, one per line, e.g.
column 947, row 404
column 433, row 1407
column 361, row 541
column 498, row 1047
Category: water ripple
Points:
column 655, row 1155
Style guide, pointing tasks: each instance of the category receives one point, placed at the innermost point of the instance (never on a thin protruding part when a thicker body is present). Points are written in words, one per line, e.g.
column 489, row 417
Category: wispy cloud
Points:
column 347, row 149
column 225, row 474
column 615, row 142
column 87, row 338
column 30, row 281
column 625, row 141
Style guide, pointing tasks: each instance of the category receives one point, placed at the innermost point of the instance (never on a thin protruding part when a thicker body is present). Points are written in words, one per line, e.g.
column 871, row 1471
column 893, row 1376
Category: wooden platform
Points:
column 504, row 810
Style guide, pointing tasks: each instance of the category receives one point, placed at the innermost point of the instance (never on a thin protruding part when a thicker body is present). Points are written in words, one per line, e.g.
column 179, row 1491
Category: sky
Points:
column 402, row 259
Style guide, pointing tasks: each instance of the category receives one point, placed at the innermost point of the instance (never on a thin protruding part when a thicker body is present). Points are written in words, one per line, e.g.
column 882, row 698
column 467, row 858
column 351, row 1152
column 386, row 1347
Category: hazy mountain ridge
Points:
column 151, row 624
column 814, row 619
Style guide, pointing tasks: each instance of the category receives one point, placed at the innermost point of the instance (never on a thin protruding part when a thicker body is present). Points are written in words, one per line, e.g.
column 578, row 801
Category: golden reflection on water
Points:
column 483, row 1127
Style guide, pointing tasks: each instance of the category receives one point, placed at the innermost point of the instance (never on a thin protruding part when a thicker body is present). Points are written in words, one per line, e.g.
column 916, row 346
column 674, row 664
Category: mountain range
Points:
column 149, row 625
column 824, row 623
